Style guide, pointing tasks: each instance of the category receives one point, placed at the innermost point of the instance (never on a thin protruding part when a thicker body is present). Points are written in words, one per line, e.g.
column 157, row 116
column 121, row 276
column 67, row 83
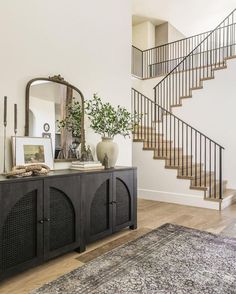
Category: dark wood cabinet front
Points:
column 21, row 233
column 97, row 199
column 110, row 201
column 61, row 215
column 43, row 217
column 123, row 199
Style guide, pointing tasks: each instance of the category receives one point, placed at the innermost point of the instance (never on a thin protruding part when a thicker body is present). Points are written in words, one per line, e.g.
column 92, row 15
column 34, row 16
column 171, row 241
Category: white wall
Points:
column 87, row 42
column 167, row 33
column 143, row 35
column 212, row 111
column 146, row 86
column 161, row 34
column 189, row 16
column 174, row 34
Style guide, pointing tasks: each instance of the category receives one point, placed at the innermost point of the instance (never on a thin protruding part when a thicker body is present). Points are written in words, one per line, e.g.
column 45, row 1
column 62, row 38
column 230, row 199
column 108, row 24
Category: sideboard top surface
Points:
column 65, row 172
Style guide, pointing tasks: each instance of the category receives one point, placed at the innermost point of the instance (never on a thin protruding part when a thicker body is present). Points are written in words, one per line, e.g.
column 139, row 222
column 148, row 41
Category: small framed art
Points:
column 28, row 150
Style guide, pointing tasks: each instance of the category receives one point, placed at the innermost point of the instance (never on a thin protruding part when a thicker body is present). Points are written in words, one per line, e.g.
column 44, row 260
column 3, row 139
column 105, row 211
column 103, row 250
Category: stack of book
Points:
column 86, row 165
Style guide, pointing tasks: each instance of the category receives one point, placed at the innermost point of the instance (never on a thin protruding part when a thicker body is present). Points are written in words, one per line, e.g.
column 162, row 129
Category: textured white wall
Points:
column 87, row 42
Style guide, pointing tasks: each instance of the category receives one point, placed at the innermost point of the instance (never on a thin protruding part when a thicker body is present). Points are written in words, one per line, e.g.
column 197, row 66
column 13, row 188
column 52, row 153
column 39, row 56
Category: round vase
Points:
column 107, row 146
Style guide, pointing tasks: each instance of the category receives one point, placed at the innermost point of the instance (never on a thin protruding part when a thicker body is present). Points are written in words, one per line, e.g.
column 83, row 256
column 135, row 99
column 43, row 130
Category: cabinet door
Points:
column 21, row 233
column 124, row 200
column 62, row 204
column 97, row 201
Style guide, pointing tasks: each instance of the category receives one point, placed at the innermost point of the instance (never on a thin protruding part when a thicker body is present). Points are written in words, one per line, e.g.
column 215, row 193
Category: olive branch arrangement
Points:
column 109, row 121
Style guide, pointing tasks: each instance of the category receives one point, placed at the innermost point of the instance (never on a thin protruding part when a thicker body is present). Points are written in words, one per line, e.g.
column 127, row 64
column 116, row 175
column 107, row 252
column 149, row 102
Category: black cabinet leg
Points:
column 133, row 227
column 80, row 249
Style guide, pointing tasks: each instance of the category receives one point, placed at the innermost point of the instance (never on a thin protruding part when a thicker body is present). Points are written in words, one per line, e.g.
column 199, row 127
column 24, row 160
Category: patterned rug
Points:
column 170, row 259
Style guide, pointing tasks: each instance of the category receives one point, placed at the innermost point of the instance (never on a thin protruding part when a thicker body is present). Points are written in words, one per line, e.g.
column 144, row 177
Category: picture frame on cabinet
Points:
column 28, row 150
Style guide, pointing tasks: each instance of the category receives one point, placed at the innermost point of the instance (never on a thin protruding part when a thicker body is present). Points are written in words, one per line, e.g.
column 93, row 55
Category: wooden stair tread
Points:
column 206, row 188
column 207, row 78
column 226, row 193
column 185, row 97
column 196, row 88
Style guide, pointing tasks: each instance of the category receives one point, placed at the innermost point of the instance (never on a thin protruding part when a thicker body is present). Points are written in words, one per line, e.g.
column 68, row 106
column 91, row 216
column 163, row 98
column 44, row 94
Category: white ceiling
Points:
column 189, row 16
column 136, row 19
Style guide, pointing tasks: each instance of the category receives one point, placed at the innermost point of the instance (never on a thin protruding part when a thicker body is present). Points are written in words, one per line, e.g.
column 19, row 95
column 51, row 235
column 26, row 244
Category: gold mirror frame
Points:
column 59, row 80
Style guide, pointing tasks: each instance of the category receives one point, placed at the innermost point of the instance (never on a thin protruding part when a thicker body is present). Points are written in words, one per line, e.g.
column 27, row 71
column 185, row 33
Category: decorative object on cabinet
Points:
column 86, row 165
column 27, row 150
column 109, row 121
column 110, row 148
column 46, row 135
column 15, row 126
column 46, row 127
column 21, row 171
column 61, row 105
column 106, row 161
column 44, row 217
column 5, row 131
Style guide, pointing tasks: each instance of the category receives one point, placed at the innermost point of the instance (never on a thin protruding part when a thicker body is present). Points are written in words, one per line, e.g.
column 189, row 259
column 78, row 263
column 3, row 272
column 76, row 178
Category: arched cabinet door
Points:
column 124, row 200
column 21, row 233
column 97, row 199
column 61, row 215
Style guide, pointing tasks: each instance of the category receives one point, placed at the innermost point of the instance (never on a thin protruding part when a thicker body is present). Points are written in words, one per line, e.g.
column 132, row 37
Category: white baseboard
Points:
column 190, row 200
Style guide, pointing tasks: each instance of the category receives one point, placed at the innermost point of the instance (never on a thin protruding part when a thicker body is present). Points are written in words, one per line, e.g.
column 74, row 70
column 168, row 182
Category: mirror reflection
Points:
column 55, row 111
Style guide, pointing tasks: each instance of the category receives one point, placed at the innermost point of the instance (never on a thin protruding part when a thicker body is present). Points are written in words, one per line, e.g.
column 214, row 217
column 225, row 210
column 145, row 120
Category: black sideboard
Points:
column 44, row 217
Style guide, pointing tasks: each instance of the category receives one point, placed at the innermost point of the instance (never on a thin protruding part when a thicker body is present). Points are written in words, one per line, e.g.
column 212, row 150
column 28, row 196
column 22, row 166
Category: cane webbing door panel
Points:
column 123, row 199
column 21, row 233
column 61, row 215
column 97, row 194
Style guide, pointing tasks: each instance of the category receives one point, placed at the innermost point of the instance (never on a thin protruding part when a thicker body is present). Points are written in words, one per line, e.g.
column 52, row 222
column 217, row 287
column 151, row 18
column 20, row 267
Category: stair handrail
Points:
column 179, row 119
column 187, row 56
column 192, row 152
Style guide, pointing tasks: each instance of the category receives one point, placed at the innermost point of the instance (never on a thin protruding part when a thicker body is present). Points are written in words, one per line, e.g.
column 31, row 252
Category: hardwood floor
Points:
column 151, row 214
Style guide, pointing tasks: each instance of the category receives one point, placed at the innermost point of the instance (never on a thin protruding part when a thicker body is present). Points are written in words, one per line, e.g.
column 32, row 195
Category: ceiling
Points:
column 189, row 16
column 136, row 19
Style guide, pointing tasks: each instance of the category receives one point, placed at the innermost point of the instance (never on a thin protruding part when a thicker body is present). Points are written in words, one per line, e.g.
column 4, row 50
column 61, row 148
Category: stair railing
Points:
column 196, row 156
column 209, row 55
column 162, row 59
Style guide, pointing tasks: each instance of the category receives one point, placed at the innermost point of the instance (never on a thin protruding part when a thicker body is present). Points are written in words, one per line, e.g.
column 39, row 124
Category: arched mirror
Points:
column 55, row 109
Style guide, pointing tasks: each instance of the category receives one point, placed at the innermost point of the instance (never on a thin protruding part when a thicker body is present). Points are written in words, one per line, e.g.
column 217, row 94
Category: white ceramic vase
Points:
column 107, row 146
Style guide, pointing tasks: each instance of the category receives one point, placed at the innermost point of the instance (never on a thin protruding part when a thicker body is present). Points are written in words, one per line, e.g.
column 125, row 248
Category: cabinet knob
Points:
column 47, row 219
column 41, row 221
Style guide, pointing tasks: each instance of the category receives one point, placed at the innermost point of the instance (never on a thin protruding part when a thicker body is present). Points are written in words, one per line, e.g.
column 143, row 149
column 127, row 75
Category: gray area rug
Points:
column 170, row 259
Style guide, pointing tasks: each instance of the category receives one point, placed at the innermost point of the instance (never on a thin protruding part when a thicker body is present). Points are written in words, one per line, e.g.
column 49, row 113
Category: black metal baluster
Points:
column 195, row 157
column 200, row 151
column 220, row 173
column 215, row 170
column 210, row 168
column 182, row 148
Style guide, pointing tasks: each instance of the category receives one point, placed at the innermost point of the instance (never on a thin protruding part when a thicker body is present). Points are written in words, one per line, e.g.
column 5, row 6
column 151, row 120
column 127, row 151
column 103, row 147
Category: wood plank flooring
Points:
column 151, row 214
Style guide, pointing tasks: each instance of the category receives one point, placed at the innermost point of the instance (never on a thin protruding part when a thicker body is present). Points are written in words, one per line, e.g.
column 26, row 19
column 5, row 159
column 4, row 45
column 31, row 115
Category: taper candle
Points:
column 5, row 111
column 15, row 117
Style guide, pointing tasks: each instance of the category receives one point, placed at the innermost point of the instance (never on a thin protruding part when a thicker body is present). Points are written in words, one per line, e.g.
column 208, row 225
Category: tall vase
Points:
column 107, row 146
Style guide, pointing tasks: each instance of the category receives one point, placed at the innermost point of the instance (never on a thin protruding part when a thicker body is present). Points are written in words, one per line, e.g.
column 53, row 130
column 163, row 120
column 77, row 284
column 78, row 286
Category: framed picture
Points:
column 28, row 150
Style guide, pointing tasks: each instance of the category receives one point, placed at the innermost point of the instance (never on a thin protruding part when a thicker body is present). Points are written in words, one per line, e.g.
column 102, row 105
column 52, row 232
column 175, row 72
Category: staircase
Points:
column 194, row 155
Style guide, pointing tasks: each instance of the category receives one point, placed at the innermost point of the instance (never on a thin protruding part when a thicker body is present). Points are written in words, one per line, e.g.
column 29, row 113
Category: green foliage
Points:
column 109, row 121
column 72, row 122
